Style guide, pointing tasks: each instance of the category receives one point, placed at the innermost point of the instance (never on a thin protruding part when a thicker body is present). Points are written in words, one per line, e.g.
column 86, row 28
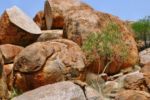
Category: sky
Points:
column 125, row 9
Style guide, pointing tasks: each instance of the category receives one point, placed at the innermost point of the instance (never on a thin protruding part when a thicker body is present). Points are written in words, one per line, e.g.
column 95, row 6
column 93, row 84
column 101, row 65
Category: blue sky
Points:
column 125, row 9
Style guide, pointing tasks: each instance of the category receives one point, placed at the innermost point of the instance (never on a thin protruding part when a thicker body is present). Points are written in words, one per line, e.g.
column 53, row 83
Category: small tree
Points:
column 105, row 44
column 142, row 30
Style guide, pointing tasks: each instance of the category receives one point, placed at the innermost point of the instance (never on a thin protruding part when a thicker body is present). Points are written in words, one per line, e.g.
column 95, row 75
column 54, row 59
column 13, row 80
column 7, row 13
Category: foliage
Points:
column 142, row 29
column 15, row 92
column 106, row 43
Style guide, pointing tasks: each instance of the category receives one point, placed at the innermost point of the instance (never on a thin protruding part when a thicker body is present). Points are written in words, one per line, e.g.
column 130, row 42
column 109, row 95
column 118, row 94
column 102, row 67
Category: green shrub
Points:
column 105, row 42
column 141, row 29
column 15, row 92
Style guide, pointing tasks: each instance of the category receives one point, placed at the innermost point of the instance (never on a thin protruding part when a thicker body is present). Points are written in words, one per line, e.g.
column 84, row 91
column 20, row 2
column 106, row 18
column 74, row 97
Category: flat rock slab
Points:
column 17, row 28
column 20, row 19
column 57, row 91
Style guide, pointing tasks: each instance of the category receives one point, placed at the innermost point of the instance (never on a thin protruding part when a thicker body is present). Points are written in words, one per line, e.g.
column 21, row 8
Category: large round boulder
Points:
column 48, row 62
column 80, row 24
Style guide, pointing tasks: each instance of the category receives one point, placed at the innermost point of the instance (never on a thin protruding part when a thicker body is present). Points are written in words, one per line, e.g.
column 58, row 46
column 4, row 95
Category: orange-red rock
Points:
column 55, row 11
column 80, row 23
column 8, row 69
column 48, row 62
column 146, row 72
column 135, row 81
column 9, row 52
column 3, row 84
column 39, row 19
column 17, row 28
column 132, row 95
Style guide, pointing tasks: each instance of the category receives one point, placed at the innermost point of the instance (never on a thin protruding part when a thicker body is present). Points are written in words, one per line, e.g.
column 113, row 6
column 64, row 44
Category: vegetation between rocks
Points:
column 107, row 44
column 142, row 31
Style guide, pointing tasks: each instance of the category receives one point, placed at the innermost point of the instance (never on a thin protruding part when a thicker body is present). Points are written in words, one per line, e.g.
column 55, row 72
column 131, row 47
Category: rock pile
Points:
column 44, row 58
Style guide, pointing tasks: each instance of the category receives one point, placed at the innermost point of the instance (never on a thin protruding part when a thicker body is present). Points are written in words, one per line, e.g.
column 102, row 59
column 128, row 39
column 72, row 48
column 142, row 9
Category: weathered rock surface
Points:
column 92, row 94
column 9, row 52
column 48, row 62
column 146, row 72
column 50, row 35
column 79, row 20
column 8, row 70
column 132, row 57
column 55, row 11
column 61, row 91
column 146, row 68
column 80, row 23
column 57, row 91
column 135, row 81
column 17, row 28
column 39, row 19
column 145, row 56
column 3, row 85
column 133, row 95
